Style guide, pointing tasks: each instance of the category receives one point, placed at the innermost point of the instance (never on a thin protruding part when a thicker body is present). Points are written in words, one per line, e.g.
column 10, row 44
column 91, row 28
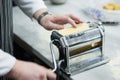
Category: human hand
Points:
column 30, row 71
column 50, row 22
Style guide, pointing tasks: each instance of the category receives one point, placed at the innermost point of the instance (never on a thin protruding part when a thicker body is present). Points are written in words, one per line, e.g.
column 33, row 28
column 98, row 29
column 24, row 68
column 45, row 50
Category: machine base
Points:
column 88, row 64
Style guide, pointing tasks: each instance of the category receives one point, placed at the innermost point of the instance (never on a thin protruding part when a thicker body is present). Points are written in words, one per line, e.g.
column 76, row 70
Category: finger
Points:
column 51, row 75
column 56, row 26
column 76, row 19
column 72, row 22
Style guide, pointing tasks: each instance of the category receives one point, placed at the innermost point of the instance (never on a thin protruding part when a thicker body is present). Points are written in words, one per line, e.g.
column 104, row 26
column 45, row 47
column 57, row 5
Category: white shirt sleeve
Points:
column 29, row 7
column 6, row 62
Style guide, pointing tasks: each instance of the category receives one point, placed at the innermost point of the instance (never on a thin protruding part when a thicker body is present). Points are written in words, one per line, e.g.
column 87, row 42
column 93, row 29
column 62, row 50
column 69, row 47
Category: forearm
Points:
column 30, row 7
column 6, row 63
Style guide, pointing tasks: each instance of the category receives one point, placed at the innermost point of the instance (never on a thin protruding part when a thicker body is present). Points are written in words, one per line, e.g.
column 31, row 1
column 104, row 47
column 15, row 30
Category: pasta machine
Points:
column 79, row 49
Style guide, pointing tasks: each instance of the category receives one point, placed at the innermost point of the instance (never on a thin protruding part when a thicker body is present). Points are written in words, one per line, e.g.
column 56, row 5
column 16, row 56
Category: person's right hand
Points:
column 30, row 71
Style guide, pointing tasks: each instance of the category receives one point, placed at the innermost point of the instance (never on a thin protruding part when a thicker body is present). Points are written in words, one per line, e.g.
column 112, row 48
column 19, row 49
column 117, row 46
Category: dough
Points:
column 71, row 30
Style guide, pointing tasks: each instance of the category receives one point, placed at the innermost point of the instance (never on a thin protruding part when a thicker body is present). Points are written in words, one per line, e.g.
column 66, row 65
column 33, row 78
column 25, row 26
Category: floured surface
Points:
column 114, row 65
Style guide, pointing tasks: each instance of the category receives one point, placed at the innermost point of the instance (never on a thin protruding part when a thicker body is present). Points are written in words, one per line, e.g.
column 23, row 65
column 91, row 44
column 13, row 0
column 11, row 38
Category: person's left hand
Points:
column 57, row 22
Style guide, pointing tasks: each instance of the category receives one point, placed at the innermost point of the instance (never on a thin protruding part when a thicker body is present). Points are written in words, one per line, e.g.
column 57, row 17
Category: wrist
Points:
column 39, row 12
column 42, row 16
column 13, row 73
